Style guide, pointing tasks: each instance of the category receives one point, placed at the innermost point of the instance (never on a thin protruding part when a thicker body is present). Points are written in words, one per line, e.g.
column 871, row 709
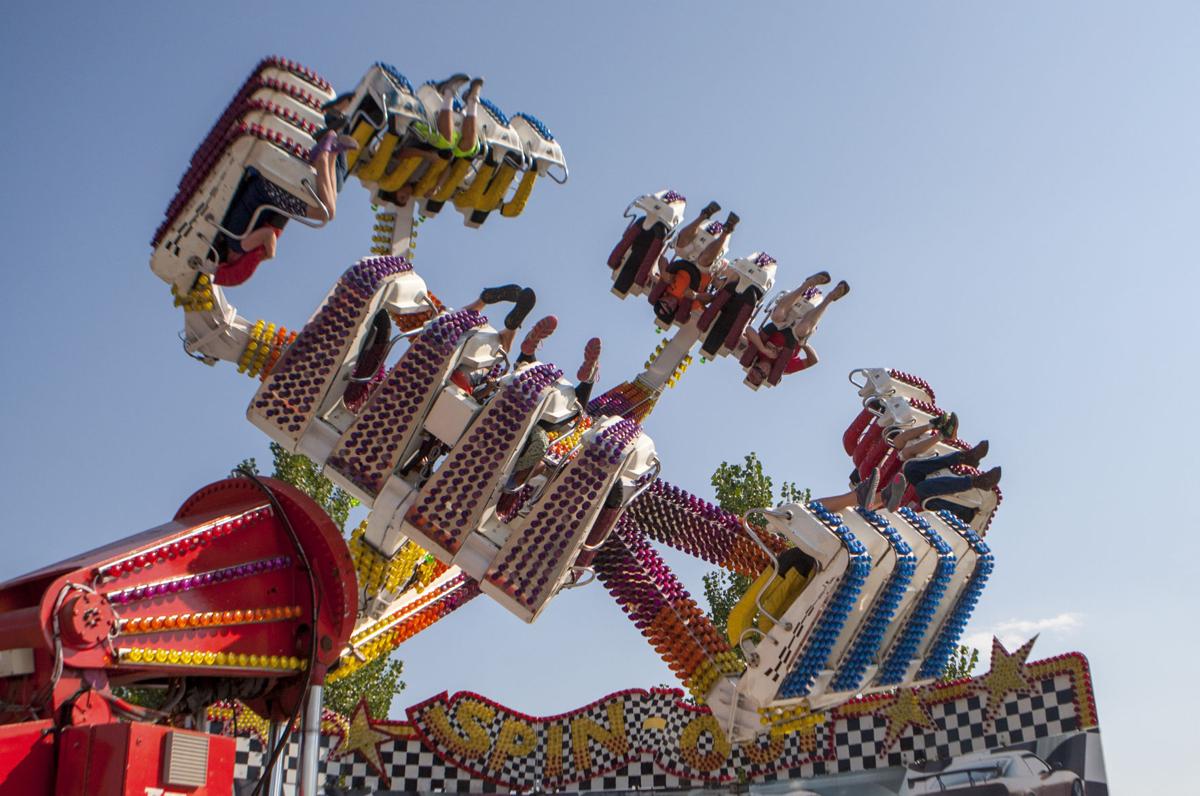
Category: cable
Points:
column 285, row 736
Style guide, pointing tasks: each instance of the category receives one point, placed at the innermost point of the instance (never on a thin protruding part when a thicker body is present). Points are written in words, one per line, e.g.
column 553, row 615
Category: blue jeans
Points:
column 917, row 471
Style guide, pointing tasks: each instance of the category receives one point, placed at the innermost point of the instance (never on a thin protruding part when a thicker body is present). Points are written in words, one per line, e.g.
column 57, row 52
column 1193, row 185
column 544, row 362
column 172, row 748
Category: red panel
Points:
column 26, row 759
column 127, row 760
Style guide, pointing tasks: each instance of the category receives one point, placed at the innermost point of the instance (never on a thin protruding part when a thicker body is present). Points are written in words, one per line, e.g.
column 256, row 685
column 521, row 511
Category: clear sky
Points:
column 1011, row 189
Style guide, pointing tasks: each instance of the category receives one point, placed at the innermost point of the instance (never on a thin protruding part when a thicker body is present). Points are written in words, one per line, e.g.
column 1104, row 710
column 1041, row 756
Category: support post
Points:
column 310, row 742
column 275, row 783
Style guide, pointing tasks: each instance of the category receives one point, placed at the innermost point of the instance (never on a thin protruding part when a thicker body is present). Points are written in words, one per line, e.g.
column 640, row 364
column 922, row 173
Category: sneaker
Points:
column 893, row 493
column 987, row 480
column 839, row 291
column 475, row 87
column 865, row 492
column 451, row 83
column 540, row 331
column 709, row 210
column 976, row 454
column 591, row 356
column 948, row 425
column 731, row 222
column 494, row 295
column 525, row 300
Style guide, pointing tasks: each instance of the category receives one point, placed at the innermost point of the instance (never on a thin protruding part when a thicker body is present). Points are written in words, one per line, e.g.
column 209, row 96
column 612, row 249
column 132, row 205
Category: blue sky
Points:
column 1011, row 190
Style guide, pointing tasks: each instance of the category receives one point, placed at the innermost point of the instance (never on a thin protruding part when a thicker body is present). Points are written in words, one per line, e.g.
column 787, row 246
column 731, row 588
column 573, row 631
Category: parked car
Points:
column 995, row 774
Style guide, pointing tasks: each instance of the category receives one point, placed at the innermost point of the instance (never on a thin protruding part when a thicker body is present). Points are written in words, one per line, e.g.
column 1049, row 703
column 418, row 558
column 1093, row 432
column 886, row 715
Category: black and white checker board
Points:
column 656, row 762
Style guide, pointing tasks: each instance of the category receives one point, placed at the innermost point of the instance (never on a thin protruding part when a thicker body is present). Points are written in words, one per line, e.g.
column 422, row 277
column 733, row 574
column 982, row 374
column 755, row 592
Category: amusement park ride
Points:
column 251, row 593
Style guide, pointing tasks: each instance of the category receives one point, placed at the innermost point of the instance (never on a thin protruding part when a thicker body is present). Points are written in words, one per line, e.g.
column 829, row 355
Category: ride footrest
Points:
column 373, row 444
column 452, row 503
column 542, row 545
column 292, row 394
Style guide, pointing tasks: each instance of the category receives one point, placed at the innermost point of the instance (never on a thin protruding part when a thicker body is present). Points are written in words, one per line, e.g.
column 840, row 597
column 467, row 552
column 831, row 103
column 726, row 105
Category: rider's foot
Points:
column 987, row 480
column 819, row 278
column 474, row 89
column 524, row 303
column 731, row 222
column 947, row 424
column 493, row 295
column 540, row 331
column 839, row 291
column 591, row 356
column 976, row 454
column 451, row 83
column 893, row 493
column 865, row 491
column 709, row 209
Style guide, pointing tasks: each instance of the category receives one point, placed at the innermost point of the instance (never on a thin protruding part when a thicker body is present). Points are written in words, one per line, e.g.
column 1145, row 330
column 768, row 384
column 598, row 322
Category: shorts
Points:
column 430, row 135
column 780, row 337
column 534, row 450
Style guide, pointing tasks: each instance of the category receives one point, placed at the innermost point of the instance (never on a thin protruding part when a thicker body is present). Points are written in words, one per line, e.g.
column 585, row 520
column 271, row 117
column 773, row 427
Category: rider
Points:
column 789, row 328
column 687, row 277
column 442, row 141
column 531, row 460
column 259, row 244
column 931, row 490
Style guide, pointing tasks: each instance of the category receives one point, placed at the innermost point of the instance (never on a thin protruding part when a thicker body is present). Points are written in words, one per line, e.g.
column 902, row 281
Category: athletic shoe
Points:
column 865, row 492
column 893, row 493
column 839, row 291
column 452, row 83
column 540, row 331
column 591, row 356
column 494, row 295
column 524, row 303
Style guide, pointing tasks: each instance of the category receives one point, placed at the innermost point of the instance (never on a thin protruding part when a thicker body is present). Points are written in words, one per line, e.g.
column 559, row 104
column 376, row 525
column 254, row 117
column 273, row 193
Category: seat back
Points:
column 310, row 375
column 542, row 544
column 388, row 428
column 452, row 503
column 756, row 269
column 540, row 146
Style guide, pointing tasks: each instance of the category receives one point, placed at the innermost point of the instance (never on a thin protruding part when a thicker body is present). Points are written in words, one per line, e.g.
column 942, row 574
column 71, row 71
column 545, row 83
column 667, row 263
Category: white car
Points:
column 999, row 773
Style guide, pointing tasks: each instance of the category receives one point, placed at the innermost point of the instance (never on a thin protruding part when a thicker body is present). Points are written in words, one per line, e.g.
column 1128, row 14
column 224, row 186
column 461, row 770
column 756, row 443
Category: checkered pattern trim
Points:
column 672, row 746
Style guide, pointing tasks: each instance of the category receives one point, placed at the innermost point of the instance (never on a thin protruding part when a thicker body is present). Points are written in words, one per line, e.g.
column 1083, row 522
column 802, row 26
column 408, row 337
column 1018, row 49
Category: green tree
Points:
column 300, row 471
column 379, row 680
column 741, row 488
column 961, row 663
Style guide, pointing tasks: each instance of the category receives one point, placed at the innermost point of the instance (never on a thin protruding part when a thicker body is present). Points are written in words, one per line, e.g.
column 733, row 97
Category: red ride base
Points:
column 141, row 759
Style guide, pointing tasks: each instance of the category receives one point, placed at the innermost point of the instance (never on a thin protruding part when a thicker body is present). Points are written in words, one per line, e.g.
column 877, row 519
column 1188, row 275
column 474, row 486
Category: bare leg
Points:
column 839, row 502
column 326, row 187
column 689, row 232
column 264, row 237
column 756, row 340
column 470, row 125
column 917, row 448
column 445, row 115
column 506, row 339
column 713, row 250
column 909, row 434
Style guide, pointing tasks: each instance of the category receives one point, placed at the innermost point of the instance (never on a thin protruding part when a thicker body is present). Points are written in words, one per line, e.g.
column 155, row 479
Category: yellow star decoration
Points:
column 363, row 736
column 905, row 710
column 1008, row 675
